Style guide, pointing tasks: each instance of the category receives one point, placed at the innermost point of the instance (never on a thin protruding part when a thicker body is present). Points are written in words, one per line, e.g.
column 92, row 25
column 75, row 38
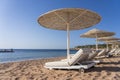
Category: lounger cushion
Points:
column 57, row 64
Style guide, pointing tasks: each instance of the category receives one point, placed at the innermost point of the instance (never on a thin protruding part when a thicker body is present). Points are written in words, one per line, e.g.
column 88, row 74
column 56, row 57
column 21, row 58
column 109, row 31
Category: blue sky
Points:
column 19, row 27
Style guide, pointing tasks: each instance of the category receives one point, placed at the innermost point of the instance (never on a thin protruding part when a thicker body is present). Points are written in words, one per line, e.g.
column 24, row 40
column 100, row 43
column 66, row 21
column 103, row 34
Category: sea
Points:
column 32, row 54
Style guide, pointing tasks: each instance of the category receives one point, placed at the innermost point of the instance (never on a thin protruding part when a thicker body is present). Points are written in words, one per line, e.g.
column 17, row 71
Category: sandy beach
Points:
column 109, row 69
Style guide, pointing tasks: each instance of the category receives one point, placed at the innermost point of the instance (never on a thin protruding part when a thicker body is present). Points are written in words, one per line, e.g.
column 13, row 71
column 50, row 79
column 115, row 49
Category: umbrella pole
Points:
column 107, row 46
column 68, row 42
column 96, row 42
column 112, row 46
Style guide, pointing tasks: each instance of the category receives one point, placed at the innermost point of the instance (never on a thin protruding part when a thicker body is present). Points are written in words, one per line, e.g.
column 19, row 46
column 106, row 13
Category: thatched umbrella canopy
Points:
column 108, row 40
column 69, row 19
column 114, row 42
column 95, row 33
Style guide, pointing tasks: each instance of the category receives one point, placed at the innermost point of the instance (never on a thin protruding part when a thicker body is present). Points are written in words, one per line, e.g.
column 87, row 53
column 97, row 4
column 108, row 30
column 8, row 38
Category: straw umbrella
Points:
column 117, row 43
column 108, row 40
column 113, row 42
column 96, row 33
column 69, row 19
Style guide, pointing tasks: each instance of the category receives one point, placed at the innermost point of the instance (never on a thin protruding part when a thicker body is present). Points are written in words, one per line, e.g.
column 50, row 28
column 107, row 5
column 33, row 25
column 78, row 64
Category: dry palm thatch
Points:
column 75, row 18
column 97, row 33
column 108, row 39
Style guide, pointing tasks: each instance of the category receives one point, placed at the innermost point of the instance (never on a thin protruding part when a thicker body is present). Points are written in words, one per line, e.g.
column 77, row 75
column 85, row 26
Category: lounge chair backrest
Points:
column 92, row 55
column 113, row 50
column 101, row 53
column 80, row 56
column 117, row 52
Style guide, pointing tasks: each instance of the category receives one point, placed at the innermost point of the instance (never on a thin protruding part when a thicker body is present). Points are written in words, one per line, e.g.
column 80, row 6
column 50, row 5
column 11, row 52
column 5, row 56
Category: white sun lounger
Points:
column 111, row 53
column 102, row 54
column 117, row 52
column 91, row 57
column 76, row 62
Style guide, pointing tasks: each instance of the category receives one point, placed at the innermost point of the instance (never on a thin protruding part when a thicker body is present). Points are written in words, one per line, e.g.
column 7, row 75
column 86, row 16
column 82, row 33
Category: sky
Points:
column 19, row 28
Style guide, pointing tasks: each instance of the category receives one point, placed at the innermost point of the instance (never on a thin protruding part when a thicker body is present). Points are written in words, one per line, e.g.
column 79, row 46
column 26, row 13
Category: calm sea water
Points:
column 30, row 54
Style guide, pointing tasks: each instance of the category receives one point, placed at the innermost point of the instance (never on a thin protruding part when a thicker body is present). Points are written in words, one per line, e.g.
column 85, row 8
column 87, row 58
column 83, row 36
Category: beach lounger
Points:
column 116, row 52
column 102, row 54
column 91, row 57
column 76, row 62
column 111, row 53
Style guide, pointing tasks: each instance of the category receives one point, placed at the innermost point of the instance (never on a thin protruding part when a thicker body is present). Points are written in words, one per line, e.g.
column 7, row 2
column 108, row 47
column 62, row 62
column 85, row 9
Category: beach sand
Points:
column 109, row 69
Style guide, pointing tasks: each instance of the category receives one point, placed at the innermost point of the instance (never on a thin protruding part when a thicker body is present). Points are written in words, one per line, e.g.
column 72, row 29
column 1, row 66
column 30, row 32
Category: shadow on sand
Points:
column 104, row 68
